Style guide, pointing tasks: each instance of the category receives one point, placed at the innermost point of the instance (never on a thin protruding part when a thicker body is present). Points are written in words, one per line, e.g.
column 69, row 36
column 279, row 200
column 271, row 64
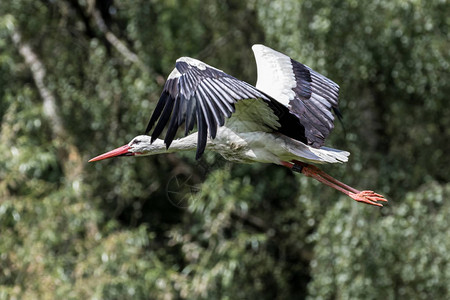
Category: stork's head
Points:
column 139, row 146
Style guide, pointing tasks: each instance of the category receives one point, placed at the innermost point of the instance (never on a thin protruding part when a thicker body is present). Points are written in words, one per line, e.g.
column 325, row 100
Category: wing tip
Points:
column 258, row 47
column 260, row 50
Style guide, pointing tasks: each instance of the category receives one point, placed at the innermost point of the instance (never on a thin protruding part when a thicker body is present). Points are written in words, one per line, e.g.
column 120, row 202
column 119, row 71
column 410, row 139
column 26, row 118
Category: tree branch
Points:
column 38, row 73
column 68, row 154
column 113, row 39
column 97, row 19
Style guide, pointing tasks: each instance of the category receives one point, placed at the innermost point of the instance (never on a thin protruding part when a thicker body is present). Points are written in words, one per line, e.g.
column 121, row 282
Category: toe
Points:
column 368, row 197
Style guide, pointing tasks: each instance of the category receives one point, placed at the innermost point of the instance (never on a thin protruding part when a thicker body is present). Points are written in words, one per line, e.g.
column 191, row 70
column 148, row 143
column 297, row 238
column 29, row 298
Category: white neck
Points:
column 158, row 146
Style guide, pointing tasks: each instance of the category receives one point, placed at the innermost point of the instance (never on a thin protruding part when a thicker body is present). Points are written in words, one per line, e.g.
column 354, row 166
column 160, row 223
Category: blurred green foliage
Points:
column 169, row 227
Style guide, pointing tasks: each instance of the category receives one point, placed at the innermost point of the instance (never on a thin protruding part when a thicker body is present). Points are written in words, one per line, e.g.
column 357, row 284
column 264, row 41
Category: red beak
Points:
column 113, row 153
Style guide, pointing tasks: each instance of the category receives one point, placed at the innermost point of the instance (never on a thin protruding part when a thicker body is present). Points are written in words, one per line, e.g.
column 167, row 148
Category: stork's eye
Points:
column 136, row 142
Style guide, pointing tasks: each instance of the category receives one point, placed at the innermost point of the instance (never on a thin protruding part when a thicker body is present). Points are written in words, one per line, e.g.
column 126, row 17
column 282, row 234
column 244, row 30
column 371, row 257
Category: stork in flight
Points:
column 283, row 120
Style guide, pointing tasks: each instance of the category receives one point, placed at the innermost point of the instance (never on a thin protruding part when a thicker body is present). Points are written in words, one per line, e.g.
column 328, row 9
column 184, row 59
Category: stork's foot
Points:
column 368, row 197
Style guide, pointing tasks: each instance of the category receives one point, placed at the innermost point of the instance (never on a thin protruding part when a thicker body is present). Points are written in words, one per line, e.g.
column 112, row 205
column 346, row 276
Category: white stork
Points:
column 283, row 120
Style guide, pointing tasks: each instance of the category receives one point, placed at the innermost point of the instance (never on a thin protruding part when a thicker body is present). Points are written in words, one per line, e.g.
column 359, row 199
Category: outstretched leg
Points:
column 368, row 197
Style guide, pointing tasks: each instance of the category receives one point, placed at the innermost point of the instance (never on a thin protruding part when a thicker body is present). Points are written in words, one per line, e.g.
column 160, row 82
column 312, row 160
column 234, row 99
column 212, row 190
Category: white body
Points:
column 245, row 147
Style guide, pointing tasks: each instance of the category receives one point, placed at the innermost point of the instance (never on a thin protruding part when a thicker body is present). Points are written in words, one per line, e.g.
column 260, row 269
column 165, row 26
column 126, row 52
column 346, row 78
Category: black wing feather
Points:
column 191, row 118
column 201, row 135
column 315, row 97
column 222, row 105
column 164, row 118
column 303, row 78
column 173, row 124
column 158, row 110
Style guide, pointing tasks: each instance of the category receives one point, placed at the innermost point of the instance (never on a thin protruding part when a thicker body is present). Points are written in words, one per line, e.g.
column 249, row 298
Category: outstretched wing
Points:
column 309, row 95
column 196, row 93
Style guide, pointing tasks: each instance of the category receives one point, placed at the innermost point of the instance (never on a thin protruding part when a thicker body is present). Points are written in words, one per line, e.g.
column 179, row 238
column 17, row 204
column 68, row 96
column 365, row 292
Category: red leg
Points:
column 368, row 197
column 326, row 176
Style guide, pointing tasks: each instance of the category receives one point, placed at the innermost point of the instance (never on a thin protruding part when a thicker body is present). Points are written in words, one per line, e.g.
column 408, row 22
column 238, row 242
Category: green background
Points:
column 80, row 77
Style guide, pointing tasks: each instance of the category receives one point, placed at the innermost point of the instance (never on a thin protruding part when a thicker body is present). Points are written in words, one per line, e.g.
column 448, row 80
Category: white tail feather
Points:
column 321, row 155
column 331, row 155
